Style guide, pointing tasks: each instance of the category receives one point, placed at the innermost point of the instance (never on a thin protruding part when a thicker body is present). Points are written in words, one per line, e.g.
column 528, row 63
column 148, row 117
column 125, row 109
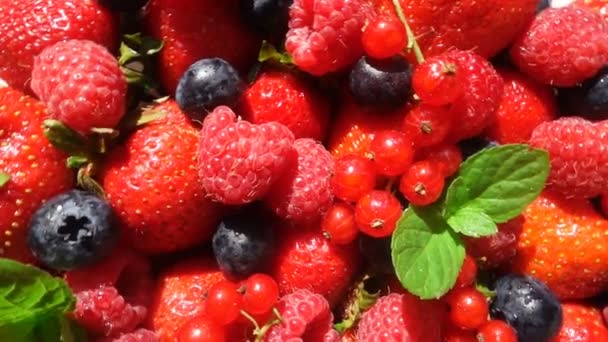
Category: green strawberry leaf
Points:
column 269, row 53
column 427, row 254
column 65, row 138
column 4, row 178
column 472, row 222
column 499, row 181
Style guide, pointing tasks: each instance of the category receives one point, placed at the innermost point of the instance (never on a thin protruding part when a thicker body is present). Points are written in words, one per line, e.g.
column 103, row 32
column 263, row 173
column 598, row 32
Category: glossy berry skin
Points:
column 582, row 322
column 447, row 156
column 242, row 243
column 72, row 229
column 384, row 37
column 201, row 329
column 427, row 125
column 392, row 151
column 353, row 177
column 377, row 212
column 422, row 184
column 468, row 308
column 438, row 81
column 497, row 249
column 261, row 294
column 206, row 84
column 269, row 16
column 381, row 82
column 224, row 302
column 468, row 273
column 339, row 225
column 496, row 331
column 589, row 99
column 528, row 306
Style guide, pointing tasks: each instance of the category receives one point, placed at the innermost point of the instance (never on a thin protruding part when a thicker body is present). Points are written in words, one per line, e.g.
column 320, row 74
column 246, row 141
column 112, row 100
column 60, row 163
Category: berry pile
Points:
column 403, row 170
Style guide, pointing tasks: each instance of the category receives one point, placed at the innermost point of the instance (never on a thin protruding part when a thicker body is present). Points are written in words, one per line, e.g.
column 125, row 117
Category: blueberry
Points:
column 385, row 82
column 471, row 146
column 589, row 100
column 206, row 84
column 377, row 253
column 243, row 243
column 71, row 230
column 270, row 16
column 123, row 5
column 528, row 306
column 542, row 4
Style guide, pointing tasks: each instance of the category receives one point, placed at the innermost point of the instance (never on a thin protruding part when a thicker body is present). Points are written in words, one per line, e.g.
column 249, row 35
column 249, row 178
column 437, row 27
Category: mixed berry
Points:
column 304, row 170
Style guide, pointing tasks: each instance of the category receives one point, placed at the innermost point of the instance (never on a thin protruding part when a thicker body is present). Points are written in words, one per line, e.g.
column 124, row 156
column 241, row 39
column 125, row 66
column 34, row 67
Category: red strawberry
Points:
column 36, row 169
column 599, row 6
column 152, row 183
column 581, row 323
column 196, row 29
column 29, row 26
column 564, row 244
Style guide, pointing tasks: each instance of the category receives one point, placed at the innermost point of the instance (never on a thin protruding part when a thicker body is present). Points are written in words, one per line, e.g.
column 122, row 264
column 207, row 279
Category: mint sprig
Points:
column 492, row 186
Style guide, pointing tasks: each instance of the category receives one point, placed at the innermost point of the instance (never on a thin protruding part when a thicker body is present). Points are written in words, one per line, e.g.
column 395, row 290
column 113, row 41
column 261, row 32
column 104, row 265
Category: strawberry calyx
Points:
column 359, row 301
column 135, row 56
column 4, row 178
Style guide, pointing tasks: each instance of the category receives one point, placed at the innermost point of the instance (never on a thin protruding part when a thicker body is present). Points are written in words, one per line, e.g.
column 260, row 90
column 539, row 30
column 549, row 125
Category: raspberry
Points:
column 306, row 317
column 325, row 35
column 139, row 335
column 104, row 312
column 562, row 46
column 579, row 159
column 483, row 87
column 81, row 84
column 239, row 161
column 304, row 191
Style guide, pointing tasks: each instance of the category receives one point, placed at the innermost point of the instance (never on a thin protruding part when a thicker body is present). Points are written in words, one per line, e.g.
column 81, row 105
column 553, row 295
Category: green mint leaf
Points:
column 4, row 178
column 472, row 222
column 427, row 254
column 499, row 181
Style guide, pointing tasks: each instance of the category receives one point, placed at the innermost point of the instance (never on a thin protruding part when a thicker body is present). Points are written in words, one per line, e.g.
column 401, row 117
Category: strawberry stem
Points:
column 412, row 44
column 4, row 178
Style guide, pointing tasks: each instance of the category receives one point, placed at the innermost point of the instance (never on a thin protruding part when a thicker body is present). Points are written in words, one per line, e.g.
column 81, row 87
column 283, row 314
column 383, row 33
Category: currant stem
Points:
column 412, row 44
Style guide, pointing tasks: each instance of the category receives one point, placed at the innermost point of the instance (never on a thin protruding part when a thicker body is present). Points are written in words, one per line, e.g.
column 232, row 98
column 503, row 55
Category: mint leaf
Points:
column 427, row 254
column 499, row 181
column 4, row 178
column 472, row 222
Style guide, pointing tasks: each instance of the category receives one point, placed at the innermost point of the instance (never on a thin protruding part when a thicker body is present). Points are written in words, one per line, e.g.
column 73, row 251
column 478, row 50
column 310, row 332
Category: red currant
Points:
column 224, row 302
column 377, row 213
column 261, row 294
column 454, row 334
column 354, row 175
column 448, row 157
column 427, row 125
column 468, row 308
column 384, row 37
column 422, row 184
column 468, row 273
column 393, row 152
column 497, row 331
column 438, row 81
column 201, row 329
column 339, row 224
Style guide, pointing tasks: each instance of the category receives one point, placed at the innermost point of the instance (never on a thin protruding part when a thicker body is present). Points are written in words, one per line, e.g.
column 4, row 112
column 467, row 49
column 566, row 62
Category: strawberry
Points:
column 152, row 183
column 583, row 323
column 600, row 6
column 29, row 26
column 36, row 169
column 195, row 29
column 563, row 243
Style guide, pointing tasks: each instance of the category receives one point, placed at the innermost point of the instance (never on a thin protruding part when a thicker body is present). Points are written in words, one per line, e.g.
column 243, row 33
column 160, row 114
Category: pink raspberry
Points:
column 139, row 335
column 81, row 84
column 562, row 46
column 104, row 312
column 325, row 35
column 306, row 317
column 239, row 161
column 304, row 192
column 579, row 158
column 483, row 89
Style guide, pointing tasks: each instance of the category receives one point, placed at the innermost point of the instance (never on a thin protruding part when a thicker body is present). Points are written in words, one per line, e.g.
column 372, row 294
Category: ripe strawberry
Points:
column 29, row 26
column 307, row 260
column 599, row 6
column 283, row 97
column 179, row 295
column 578, row 156
column 196, row 29
column 525, row 104
column 563, row 243
column 583, row 323
column 36, row 169
column 152, row 183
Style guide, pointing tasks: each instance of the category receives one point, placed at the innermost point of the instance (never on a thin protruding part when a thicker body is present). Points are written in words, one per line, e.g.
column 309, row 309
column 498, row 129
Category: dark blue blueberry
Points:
column 71, row 230
column 377, row 253
column 123, row 5
column 384, row 83
column 528, row 306
column 471, row 146
column 206, row 84
column 270, row 16
column 542, row 4
column 243, row 243
column 589, row 100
